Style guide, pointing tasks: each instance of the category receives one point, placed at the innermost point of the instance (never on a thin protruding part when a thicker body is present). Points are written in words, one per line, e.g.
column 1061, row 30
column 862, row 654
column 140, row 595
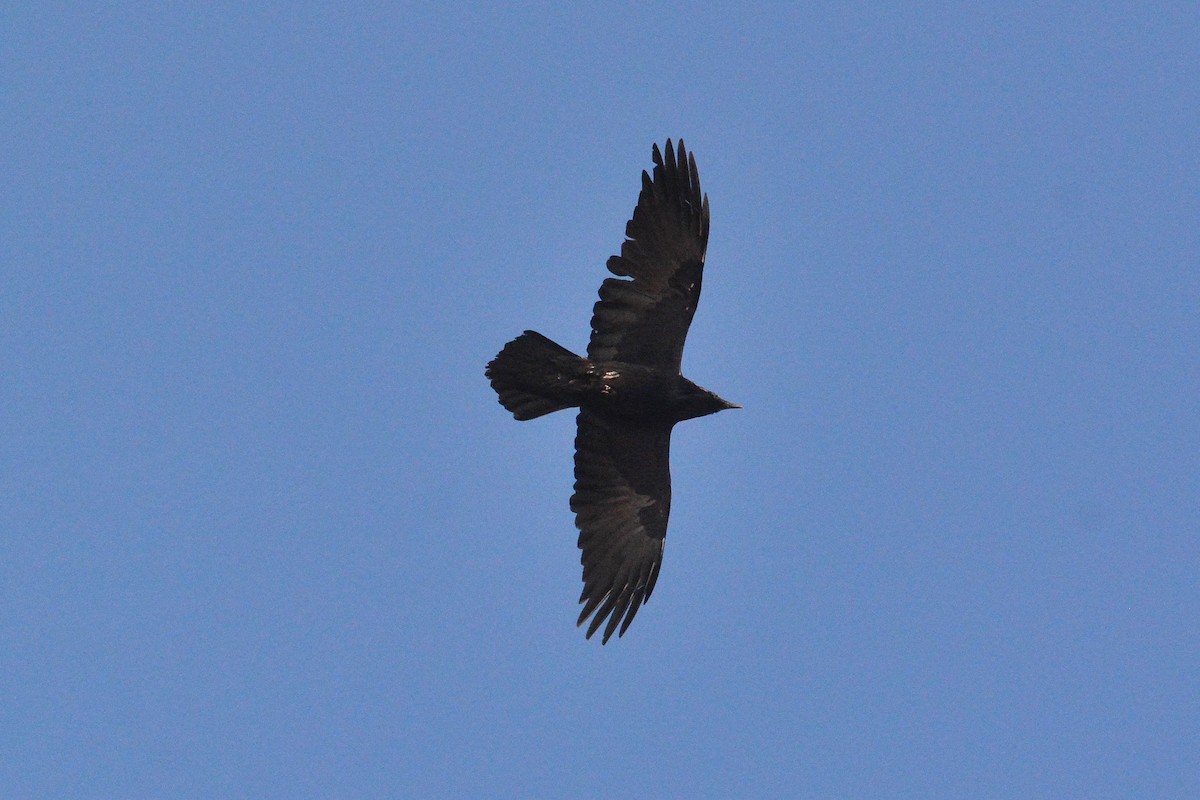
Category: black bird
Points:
column 629, row 390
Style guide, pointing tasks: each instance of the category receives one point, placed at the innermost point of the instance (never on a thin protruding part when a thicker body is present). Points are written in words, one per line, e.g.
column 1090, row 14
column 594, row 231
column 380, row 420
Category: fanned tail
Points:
column 531, row 375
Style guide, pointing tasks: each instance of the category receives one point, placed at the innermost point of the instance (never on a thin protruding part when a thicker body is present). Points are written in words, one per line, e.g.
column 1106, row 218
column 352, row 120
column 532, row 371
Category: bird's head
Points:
column 700, row 402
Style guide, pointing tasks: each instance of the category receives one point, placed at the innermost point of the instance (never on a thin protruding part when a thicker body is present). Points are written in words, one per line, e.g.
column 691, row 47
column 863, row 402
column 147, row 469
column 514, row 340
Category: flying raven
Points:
column 629, row 391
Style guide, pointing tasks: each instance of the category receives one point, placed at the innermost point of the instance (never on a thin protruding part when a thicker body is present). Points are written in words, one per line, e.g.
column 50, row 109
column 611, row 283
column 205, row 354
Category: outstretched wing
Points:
column 622, row 500
column 645, row 320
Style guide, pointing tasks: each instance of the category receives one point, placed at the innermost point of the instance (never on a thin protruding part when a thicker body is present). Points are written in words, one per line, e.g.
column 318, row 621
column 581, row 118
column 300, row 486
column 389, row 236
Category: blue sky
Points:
column 267, row 532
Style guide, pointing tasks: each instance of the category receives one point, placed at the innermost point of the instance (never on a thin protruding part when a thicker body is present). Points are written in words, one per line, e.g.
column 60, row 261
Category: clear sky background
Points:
column 266, row 532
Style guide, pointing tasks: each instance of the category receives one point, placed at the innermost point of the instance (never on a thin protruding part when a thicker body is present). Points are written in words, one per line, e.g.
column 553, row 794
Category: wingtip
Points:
column 675, row 150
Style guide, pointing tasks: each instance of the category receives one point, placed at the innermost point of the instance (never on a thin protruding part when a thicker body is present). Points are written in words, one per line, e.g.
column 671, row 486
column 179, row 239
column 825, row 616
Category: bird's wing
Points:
column 645, row 320
column 621, row 503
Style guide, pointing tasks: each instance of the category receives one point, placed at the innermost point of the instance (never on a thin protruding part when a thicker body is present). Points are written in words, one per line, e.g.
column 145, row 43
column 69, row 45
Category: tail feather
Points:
column 531, row 373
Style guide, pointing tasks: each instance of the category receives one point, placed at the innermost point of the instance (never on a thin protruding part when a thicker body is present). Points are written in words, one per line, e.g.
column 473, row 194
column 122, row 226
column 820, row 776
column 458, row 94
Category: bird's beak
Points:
column 729, row 404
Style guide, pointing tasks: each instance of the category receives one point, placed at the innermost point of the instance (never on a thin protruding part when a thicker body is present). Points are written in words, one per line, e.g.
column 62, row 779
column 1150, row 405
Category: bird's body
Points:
column 632, row 392
column 629, row 390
